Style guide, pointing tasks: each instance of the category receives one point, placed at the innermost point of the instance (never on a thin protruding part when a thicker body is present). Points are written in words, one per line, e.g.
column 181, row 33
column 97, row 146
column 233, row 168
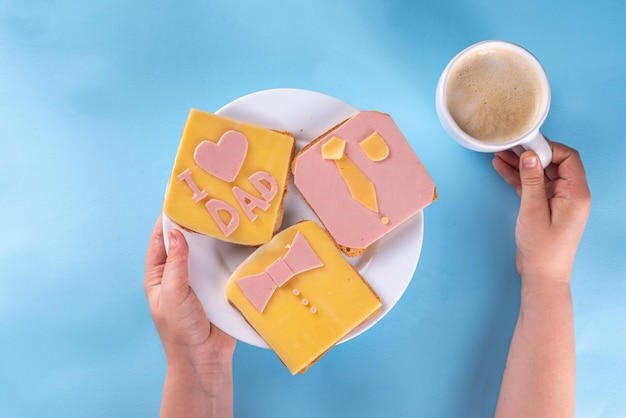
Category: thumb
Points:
column 534, row 202
column 176, row 271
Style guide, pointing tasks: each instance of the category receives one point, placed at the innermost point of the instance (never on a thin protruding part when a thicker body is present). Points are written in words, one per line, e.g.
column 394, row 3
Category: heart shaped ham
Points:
column 224, row 158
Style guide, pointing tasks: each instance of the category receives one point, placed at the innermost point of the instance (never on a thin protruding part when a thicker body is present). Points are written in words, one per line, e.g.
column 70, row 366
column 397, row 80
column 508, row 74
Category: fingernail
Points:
column 173, row 238
column 529, row 162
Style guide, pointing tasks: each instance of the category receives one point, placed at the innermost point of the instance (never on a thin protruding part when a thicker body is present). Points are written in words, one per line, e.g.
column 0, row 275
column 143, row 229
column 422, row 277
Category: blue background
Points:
column 93, row 97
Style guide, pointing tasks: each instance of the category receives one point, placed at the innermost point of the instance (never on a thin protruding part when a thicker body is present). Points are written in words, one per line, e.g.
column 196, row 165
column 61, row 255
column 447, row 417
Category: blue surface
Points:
column 93, row 97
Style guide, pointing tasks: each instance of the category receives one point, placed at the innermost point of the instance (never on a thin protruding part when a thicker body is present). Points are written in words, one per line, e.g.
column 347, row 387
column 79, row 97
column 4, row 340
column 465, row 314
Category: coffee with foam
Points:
column 494, row 95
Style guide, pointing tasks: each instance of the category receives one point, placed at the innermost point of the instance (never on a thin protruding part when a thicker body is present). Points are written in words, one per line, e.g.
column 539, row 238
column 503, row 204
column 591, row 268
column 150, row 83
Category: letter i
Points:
column 197, row 193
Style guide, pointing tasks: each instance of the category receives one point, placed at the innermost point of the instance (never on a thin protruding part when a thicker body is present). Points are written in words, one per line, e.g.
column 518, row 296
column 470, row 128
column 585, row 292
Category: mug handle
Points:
column 537, row 143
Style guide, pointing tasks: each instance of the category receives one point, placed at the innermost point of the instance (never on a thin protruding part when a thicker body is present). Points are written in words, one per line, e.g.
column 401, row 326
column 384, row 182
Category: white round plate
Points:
column 387, row 265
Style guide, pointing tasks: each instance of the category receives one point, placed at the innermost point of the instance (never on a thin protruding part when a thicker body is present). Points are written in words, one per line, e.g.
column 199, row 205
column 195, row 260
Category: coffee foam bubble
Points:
column 494, row 95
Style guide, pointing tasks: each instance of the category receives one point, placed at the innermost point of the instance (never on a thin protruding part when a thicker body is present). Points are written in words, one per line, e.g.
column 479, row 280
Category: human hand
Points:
column 199, row 355
column 554, row 208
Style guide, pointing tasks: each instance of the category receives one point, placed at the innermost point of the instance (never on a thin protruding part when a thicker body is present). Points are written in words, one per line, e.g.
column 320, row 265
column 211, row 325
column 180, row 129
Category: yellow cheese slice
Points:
column 375, row 147
column 247, row 190
column 313, row 310
column 333, row 149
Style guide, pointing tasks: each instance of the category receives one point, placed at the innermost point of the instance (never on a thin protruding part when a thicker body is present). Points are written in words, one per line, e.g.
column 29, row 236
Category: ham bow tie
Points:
column 300, row 257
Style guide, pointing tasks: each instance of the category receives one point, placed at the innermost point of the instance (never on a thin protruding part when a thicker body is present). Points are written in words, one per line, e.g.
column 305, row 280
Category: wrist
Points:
column 543, row 274
column 198, row 382
column 209, row 379
column 198, row 360
column 545, row 282
column 549, row 293
column 190, row 391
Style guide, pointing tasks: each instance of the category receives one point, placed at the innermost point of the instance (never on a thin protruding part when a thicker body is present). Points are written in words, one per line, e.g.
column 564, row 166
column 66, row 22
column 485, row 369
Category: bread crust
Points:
column 281, row 207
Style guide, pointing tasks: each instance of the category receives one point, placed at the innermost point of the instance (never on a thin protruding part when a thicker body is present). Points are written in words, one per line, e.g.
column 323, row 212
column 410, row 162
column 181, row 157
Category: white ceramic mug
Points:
column 528, row 138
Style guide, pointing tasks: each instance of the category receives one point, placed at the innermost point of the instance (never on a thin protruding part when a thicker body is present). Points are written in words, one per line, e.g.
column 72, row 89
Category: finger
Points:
column 552, row 172
column 175, row 281
column 562, row 154
column 509, row 157
column 155, row 257
column 570, row 167
column 508, row 173
column 534, row 204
